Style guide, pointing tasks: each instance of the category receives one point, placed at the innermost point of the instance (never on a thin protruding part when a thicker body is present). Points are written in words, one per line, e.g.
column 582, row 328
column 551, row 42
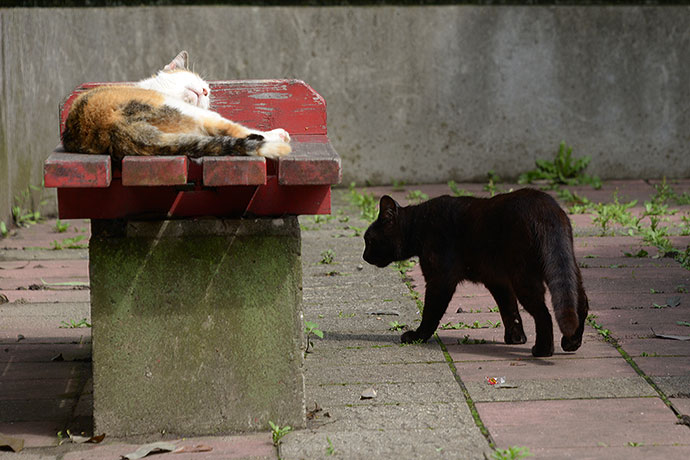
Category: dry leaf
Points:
column 83, row 439
column 146, row 449
column 192, row 449
column 672, row 337
column 14, row 444
column 3, row 299
column 369, row 393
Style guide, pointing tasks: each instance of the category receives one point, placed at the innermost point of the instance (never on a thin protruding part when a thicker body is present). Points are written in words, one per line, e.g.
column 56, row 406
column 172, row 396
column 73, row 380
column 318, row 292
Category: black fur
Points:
column 513, row 243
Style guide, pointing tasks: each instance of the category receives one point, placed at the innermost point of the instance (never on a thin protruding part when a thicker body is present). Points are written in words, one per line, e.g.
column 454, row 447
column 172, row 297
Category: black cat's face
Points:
column 382, row 239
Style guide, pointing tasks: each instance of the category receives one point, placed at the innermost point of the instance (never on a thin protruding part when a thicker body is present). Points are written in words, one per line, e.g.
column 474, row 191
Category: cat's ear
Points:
column 180, row 62
column 388, row 207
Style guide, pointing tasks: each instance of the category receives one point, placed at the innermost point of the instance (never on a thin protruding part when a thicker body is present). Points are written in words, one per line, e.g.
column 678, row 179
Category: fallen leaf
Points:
column 84, row 439
column 369, row 393
column 58, row 357
column 3, row 299
column 192, row 449
column 312, row 413
column 384, row 313
column 671, row 337
column 20, row 337
column 14, row 444
column 673, row 301
column 146, row 449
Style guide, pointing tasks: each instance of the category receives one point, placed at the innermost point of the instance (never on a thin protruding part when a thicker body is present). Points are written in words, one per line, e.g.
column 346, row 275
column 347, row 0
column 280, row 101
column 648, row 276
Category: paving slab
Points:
column 583, row 423
column 538, row 388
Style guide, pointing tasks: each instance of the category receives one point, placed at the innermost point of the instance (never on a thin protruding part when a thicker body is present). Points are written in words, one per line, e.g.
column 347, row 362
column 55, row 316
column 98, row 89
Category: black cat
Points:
column 513, row 243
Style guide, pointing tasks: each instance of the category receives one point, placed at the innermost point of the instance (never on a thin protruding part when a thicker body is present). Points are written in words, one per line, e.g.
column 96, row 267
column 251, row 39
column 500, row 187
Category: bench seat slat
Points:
column 224, row 171
column 63, row 169
column 154, row 170
column 313, row 161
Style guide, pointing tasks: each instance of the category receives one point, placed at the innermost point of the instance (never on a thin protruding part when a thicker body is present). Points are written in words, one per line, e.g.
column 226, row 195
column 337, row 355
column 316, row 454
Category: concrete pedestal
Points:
column 197, row 325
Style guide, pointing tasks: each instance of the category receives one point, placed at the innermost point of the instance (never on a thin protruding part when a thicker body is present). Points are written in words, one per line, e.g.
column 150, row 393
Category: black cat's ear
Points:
column 179, row 63
column 388, row 207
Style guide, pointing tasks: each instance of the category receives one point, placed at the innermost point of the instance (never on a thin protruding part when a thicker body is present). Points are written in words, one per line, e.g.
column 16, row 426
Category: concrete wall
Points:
column 416, row 94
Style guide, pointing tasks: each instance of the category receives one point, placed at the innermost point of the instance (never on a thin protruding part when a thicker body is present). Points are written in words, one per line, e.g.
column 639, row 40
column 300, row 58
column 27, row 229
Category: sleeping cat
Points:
column 167, row 114
column 513, row 243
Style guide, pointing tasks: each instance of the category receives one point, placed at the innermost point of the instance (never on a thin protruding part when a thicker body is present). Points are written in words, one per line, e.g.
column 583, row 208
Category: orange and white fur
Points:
column 167, row 114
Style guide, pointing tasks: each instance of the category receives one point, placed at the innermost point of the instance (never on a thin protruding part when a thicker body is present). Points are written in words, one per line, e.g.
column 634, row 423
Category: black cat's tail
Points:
column 563, row 276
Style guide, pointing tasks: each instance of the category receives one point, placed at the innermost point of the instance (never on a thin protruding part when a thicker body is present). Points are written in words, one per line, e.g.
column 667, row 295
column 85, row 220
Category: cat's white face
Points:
column 180, row 84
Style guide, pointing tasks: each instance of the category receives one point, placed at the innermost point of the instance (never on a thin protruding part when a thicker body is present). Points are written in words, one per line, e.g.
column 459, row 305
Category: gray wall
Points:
column 415, row 94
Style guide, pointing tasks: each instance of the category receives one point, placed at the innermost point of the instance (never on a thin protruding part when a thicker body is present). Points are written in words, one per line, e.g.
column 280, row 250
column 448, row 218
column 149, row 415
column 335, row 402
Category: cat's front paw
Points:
column 278, row 135
column 274, row 149
column 412, row 337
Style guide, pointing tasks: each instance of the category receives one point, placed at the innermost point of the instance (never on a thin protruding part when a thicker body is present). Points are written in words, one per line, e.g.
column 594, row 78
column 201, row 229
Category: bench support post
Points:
column 197, row 325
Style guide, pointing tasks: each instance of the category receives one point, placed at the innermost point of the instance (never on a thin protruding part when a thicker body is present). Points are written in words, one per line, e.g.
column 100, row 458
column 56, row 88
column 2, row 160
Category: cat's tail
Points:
column 143, row 139
column 196, row 146
column 563, row 278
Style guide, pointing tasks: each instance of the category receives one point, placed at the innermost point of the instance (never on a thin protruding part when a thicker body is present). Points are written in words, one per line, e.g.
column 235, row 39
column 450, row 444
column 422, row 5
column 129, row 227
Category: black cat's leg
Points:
column 436, row 301
column 507, row 306
column 531, row 296
column 574, row 342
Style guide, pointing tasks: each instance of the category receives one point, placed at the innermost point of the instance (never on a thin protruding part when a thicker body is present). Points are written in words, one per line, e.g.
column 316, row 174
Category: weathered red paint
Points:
column 223, row 171
column 260, row 104
column 154, row 170
column 116, row 201
column 75, row 170
column 179, row 187
column 310, row 163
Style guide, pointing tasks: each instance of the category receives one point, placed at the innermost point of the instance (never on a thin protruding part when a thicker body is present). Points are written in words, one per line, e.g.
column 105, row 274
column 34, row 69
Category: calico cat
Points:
column 167, row 114
column 513, row 243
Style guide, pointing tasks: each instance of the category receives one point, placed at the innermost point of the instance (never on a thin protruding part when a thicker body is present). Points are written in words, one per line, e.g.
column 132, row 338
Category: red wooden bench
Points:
column 197, row 323
column 94, row 186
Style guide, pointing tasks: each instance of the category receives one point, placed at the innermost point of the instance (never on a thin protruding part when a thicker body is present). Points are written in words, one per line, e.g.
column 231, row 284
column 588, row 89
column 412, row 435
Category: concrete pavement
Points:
column 619, row 398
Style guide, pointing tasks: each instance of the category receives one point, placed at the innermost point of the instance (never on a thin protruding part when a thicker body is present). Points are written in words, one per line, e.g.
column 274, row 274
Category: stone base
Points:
column 197, row 325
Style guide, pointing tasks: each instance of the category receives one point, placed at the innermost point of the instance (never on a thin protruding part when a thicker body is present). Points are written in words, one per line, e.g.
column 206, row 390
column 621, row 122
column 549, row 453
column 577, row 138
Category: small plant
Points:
column 563, row 170
column 493, row 309
column 416, row 196
column 635, row 444
column 457, row 191
column 641, row 254
column 327, row 257
column 616, row 212
column 3, row 229
column 69, row 243
column 681, row 289
column 396, row 326
column 605, row 333
column 366, row 202
column 22, row 211
column 404, row 266
column 493, row 179
column 330, row 450
column 278, row 432
column 511, row 453
column 310, row 328
column 467, row 341
column 398, row 185
column 60, row 226
column 72, row 324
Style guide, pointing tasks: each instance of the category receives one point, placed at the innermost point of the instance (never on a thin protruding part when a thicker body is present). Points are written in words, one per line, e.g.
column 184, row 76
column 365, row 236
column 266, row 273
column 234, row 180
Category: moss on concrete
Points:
column 197, row 334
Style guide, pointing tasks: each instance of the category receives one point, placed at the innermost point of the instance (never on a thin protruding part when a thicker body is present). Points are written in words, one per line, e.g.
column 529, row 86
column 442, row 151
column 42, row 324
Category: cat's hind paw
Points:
column 274, row 149
column 412, row 337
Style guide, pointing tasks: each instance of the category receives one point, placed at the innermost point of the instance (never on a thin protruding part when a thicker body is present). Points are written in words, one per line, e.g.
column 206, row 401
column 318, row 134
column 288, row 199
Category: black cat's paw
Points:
column 571, row 343
column 542, row 351
column 514, row 336
column 412, row 337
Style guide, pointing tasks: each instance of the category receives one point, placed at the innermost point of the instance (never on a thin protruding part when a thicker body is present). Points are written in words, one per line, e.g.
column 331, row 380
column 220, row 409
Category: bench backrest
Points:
column 260, row 104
